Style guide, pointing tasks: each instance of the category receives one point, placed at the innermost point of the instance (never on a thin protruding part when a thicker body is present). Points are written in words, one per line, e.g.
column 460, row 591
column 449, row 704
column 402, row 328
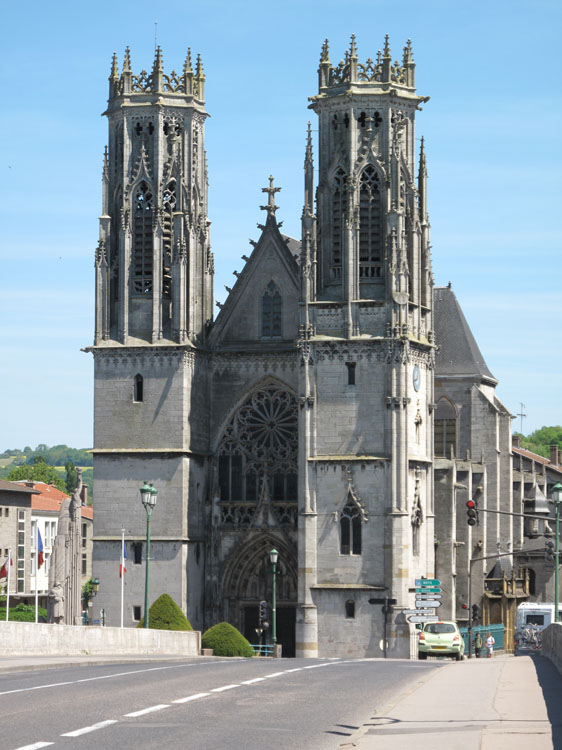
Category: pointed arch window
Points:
column 138, row 388
column 271, row 312
column 169, row 206
column 370, row 225
column 142, row 240
column 350, row 529
column 445, row 429
column 339, row 199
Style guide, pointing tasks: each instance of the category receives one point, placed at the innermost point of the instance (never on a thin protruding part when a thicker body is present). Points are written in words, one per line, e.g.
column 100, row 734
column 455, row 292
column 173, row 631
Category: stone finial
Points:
column 114, row 75
column 127, row 61
column 187, row 64
column 271, row 208
column 325, row 54
column 408, row 56
column 353, row 48
column 157, row 67
column 199, row 69
column 308, row 156
column 386, row 46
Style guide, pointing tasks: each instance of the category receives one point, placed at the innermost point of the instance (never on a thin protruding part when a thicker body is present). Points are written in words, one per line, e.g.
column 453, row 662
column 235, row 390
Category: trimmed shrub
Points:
column 225, row 640
column 23, row 613
column 164, row 614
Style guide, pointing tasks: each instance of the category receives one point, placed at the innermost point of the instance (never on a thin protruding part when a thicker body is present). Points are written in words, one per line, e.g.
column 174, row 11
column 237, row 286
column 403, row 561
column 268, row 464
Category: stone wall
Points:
column 552, row 644
column 27, row 638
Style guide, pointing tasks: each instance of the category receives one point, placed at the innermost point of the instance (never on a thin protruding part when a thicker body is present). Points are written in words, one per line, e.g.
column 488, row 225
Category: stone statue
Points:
column 65, row 572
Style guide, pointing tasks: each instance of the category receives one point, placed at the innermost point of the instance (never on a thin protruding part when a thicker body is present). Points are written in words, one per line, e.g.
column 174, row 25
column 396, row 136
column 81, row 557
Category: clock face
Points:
column 416, row 378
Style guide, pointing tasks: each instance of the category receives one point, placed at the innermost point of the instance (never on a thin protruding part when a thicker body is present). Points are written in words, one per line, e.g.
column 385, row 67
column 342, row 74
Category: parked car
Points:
column 441, row 639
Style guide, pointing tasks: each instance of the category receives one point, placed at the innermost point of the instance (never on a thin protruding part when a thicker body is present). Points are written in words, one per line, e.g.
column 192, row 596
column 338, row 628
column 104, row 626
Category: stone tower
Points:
column 154, row 286
column 366, row 355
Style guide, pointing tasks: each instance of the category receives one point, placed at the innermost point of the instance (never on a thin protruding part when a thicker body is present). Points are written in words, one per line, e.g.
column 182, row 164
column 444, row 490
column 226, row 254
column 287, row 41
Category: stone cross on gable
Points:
column 271, row 208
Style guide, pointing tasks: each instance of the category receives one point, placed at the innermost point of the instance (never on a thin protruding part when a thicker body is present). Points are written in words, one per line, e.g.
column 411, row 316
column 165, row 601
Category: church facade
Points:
column 301, row 418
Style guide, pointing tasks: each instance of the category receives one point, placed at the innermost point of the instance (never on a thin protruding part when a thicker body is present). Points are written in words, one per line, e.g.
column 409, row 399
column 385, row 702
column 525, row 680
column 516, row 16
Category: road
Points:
column 201, row 704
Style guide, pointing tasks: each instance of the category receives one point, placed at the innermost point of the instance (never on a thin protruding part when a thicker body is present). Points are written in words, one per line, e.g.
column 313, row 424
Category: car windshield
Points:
column 440, row 627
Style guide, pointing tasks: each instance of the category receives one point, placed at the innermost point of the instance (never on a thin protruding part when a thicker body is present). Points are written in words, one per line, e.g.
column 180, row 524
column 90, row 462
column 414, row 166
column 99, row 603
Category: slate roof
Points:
column 458, row 353
column 16, row 487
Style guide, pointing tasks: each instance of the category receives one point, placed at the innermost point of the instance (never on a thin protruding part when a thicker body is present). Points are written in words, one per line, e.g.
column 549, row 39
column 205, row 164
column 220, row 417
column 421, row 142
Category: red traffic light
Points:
column 470, row 504
column 465, row 606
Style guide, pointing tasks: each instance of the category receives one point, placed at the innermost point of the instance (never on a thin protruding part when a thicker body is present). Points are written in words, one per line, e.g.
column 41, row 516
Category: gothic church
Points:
column 301, row 418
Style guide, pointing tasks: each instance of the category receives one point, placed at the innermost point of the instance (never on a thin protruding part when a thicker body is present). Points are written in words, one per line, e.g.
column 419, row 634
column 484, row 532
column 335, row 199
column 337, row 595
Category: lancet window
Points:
column 260, row 445
column 370, row 225
column 142, row 240
column 445, row 429
column 169, row 205
column 350, row 529
column 271, row 312
column 339, row 198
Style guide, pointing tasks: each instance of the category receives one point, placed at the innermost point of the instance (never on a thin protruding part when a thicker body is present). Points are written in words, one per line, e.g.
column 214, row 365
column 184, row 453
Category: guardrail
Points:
column 263, row 650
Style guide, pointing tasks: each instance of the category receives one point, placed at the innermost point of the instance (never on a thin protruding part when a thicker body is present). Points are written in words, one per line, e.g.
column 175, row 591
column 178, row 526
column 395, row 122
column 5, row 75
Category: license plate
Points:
column 438, row 647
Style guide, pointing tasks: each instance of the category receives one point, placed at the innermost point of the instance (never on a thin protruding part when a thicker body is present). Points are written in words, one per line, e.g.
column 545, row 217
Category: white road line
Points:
column 92, row 728
column 297, row 669
column 225, row 687
column 194, row 697
column 144, row 711
column 35, row 746
column 251, row 682
column 100, row 677
column 273, row 674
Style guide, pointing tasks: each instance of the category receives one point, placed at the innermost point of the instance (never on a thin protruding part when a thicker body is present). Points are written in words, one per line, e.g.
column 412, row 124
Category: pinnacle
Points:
column 187, row 64
column 353, row 48
column 127, row 61
column 386, row 46
column 325, row 55
column 114, row 75
column 158, row 60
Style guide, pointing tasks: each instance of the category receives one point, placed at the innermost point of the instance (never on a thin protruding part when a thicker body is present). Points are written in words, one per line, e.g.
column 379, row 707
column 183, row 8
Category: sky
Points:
column 492, row 132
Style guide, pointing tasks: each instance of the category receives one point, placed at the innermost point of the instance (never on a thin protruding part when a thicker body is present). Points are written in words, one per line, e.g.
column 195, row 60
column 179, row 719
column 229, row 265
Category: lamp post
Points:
column 149, row 495
column 556, row 499
column 273, row 556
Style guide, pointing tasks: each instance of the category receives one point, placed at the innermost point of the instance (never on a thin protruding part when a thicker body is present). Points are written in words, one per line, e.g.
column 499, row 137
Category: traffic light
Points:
column 263, row 611
column 549, row 551
column 472, row 513
column 475, row 613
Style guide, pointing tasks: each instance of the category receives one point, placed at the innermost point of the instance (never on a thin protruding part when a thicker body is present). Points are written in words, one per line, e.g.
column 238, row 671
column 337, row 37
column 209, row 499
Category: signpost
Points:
column 424, row 618
column 428, row 582
column 428, row 603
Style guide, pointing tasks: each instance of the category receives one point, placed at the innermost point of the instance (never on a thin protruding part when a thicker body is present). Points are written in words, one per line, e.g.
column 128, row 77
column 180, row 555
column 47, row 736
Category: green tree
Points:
column 71, row 480
column 225, row 640
column 165, row 614
column 39, row 472
column 540, row 440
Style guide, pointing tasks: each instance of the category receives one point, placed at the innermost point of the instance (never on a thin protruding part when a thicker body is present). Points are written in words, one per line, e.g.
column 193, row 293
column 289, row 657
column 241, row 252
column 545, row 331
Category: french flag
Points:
column 123, row 566
column 4, row 568
column 40, row 557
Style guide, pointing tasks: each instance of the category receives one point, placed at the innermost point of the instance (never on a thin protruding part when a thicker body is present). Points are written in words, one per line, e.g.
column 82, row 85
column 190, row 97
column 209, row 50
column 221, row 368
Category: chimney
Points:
column 516, row 441
column 554, row 455
column 30, row 484
column 84, row 494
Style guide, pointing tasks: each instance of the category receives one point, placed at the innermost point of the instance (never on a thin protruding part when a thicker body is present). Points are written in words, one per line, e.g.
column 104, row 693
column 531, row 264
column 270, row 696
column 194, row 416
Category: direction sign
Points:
column 418, row 611
column 428, row 591
column 428, row 603
column 427, row 582
column 423, row 618
column 428, row 595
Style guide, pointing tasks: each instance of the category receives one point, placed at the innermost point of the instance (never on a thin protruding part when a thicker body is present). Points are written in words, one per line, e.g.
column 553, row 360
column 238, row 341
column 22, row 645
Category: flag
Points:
column 4, row 568
column 122, row 566
column 40, row 558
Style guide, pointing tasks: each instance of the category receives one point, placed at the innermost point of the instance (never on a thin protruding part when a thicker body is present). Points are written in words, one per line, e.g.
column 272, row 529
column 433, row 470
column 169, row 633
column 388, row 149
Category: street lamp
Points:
column 556, row 499
column 273, row 556
column 149, row 494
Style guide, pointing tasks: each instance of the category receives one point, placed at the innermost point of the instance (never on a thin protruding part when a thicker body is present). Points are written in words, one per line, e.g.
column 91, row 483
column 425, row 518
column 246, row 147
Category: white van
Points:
column 534, row 614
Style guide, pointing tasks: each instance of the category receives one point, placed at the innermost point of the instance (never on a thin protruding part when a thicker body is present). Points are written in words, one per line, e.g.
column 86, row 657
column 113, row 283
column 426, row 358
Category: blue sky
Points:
column 492, row 130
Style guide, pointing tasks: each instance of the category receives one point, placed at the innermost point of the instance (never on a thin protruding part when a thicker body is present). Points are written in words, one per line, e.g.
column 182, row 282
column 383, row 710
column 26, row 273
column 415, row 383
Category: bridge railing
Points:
column 260, row 650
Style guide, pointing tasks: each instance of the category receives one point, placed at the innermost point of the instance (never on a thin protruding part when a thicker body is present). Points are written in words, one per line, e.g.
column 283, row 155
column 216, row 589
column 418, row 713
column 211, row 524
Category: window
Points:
column 137, row 553
column 136, row 613
column 350, row 372
column 260, row 444
column 370, row 225
column 84, row 563
column 339, row 198
column 6, row 512
column 350, row 530
column 350, row 609
column 21, row 552
column 142, row 240
column 271, row 312
column 138, row 393
column 169, row 206
column 445, row 429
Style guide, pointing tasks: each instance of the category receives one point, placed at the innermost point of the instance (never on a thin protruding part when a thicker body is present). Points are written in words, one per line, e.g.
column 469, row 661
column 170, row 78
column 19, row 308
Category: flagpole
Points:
column 122, row 572
column 8, row 584
column 36, row 570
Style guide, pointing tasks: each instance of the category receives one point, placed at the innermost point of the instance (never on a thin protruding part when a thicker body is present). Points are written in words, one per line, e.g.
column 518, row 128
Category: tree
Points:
column 71, row 477
column 164, row 614
column 39, row 472
column 225, row 640
column 540, row 440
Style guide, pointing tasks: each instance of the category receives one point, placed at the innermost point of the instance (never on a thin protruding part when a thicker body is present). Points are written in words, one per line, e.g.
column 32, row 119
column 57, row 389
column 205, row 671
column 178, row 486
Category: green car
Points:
column 441, row 639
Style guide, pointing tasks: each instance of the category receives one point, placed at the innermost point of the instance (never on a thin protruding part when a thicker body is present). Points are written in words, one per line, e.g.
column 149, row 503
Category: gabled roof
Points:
column 49, row 498
column 536, row 458
column 16, row 487
column 458, row 353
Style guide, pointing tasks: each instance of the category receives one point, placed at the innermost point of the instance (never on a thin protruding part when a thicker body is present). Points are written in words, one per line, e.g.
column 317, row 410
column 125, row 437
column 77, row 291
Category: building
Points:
column 302, row 417
column 15, row 536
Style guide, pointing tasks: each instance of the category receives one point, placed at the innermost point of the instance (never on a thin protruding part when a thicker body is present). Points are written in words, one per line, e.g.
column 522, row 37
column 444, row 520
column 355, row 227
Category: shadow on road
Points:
column 550, row 681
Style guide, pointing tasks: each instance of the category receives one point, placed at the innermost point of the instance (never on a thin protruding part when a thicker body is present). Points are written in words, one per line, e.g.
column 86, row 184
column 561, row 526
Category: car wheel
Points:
column 458, row 657
column 421, row 655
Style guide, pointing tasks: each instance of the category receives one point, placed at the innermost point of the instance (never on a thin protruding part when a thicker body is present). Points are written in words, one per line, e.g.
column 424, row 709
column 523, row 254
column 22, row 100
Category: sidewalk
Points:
column 504, row 703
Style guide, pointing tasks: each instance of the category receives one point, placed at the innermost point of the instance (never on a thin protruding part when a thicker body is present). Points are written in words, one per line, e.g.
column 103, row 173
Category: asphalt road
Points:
column 202, row 704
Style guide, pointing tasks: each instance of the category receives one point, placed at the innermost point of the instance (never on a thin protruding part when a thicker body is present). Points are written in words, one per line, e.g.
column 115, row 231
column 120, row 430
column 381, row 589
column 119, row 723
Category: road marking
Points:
column 297, row 669
column 191, row 698
column 102, row 677
column 35, row 746
column 225, row 687
column 144, row 711
column 273, row 674
column 251, row 682
column 92, row 728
